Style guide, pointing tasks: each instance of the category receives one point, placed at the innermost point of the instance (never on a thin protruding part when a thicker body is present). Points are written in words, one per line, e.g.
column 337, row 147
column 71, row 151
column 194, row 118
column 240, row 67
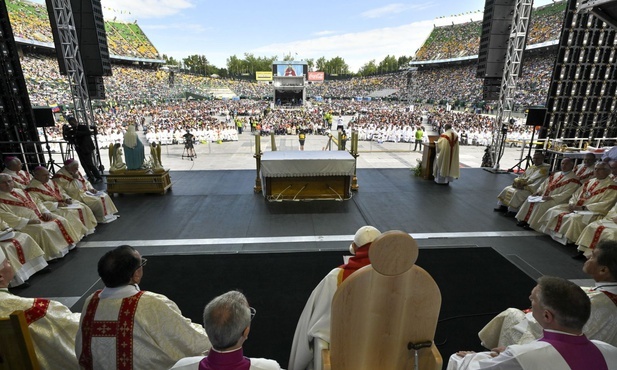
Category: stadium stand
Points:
column 30, row 21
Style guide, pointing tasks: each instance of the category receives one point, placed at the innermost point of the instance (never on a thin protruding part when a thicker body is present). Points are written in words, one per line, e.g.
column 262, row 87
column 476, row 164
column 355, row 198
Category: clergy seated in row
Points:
column 52, row 326
column 584, row 171
column 599, row 230
column 78, row 188
column 604, row 229
column 514, row 326
column 53, row 233
column 565, row 223
column 24, row 254
column 513, row 196
column 52, row 206
column 56, row 200
column 561, row 309
column 556, row 189
column 13, row 168
column 157, row 334
column 314, row 322
column 227, row 319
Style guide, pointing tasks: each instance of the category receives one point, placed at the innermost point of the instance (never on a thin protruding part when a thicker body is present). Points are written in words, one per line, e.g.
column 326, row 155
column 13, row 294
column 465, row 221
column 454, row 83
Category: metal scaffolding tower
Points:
column 64, row 22
column 412, row 85
column 512, row 70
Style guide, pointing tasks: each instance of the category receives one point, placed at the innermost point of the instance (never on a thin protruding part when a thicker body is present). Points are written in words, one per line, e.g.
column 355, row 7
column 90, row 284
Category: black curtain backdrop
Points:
column 475, row 283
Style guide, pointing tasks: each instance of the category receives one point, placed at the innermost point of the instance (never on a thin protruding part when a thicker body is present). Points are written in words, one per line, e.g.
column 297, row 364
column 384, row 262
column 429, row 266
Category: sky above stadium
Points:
column 357, row 31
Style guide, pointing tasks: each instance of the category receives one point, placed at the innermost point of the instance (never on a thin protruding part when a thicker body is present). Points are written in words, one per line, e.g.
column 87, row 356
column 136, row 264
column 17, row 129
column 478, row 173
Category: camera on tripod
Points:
column 68, row 134
column 188, row 140
column 189, row 152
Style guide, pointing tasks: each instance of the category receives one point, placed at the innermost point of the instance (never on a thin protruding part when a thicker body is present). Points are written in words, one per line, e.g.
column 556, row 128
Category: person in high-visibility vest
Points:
column 419, row 137
column 301, row 138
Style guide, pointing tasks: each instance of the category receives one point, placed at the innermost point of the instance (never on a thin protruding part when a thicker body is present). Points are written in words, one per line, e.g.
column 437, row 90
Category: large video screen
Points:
column 289, row 69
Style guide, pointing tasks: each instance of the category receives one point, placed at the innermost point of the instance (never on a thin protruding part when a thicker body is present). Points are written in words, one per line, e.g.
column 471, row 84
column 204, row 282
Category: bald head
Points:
column 567, row 164
column 42, row 174
column 13, row 164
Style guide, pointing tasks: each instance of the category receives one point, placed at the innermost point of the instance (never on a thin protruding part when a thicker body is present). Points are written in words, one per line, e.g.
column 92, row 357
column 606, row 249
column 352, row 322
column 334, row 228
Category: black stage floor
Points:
column 217, row 212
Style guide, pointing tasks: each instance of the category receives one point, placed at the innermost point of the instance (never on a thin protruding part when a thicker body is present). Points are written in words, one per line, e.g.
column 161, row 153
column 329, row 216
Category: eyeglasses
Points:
column 143, row 262
column 253, row 312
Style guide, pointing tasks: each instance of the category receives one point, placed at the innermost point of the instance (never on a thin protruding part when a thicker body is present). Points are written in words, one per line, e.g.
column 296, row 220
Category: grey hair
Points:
column 225, row 319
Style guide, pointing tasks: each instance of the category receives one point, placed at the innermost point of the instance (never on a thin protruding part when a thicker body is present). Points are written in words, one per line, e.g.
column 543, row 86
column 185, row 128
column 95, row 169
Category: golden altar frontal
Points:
column 138, row 182
column 307, row 175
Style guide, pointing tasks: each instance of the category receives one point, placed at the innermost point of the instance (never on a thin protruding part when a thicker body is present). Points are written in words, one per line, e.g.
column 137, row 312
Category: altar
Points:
column 307, row 175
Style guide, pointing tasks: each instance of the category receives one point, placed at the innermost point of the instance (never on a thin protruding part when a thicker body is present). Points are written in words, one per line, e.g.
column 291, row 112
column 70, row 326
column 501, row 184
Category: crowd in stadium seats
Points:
column 129, row 40
column 461, row 40
column 545, row 24
column 453, row 41
column 31, row 21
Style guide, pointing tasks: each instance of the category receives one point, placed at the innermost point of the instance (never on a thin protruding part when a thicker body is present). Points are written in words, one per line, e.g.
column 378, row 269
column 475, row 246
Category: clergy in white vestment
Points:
column 314, row 322
column 565, row 223
column 52, row 325
column 24, row 254
column 556, row 189
column 514, row 326
column 513, row 196
column 227, row 319
column 447, row 166
column 52, row 233
column 561, row 308
column 584, row 171
column 598, row 231
column 78, row 188
column 13, row 168
column 55, row 199
column 139, row 329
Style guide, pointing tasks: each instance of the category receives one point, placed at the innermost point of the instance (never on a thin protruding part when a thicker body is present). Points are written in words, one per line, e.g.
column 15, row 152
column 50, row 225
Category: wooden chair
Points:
column 16, row 348
column 383, row 311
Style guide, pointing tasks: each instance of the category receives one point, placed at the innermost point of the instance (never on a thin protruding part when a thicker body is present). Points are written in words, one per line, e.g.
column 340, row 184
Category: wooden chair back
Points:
column 384, row 309
column 16, row 348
